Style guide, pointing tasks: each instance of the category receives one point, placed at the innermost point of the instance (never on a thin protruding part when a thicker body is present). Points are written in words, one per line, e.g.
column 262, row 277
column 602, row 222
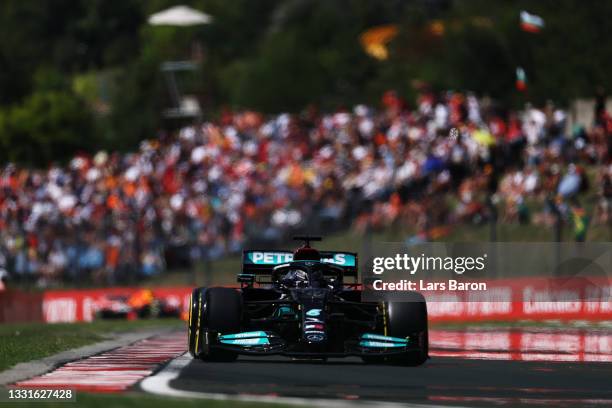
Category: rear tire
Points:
column 222, row 313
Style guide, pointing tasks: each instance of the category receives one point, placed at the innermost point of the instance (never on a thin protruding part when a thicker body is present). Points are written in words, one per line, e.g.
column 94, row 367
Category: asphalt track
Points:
column 441, row 381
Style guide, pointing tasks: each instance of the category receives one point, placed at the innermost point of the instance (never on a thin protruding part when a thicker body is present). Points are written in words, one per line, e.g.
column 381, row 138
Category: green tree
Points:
column 136, row 103
column 48, row 126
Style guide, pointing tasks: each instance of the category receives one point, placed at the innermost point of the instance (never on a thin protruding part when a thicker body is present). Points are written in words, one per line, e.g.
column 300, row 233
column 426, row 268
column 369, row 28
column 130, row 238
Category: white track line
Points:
column 160, row 384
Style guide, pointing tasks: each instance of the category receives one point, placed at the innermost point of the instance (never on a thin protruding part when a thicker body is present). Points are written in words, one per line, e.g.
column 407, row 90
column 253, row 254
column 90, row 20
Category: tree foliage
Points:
column 45, row 126
column 272, row 55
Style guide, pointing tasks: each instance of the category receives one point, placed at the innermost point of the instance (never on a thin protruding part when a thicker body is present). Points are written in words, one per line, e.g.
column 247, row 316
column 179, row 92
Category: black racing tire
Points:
column 196, row 302
column 222, row 314
column 406, row 319
column 409, row 319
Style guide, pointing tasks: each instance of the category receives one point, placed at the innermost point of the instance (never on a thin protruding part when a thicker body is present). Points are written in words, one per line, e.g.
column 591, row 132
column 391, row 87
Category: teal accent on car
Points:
column 341, row 259
column 273, row 258
column 243, row 335
column 313, row 312
column 268, row 257
column 380, row 344
column 253, row 341
column 284, row 311
column 380, row 337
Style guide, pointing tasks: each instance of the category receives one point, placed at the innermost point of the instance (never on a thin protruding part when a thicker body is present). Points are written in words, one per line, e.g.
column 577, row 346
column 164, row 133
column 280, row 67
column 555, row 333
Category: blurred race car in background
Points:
column 297, row 304
column 140, row 304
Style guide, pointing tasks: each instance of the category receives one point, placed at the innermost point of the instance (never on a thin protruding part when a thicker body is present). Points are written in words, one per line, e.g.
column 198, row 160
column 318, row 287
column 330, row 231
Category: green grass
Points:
column 138, row 400
column 21, row 342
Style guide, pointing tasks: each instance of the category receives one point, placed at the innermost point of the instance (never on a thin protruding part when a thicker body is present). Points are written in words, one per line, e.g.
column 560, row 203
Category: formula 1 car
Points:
column 140, row 304
column 297, row 304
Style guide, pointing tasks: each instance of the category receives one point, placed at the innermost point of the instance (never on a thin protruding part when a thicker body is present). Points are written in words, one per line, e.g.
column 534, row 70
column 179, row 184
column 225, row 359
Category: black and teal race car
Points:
column 298, row 304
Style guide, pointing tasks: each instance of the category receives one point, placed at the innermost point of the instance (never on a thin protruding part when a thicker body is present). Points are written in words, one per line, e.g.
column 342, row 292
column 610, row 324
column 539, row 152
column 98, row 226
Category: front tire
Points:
column 194, row 323
column 213, row 311
column 409, row 319
column 406, row 320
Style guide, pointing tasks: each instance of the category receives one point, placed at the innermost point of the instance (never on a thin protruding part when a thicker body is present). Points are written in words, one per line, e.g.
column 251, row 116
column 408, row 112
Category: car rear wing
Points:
column 262, row 262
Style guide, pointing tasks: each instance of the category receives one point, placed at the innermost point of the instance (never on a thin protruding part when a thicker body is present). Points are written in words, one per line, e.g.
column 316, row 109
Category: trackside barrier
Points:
column 80, row 305
column 68, row 306
column 525, row 299
column 18, row 306
column 517, row 299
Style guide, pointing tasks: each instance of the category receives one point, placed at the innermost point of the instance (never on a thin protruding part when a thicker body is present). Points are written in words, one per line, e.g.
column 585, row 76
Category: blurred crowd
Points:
column 211, row 189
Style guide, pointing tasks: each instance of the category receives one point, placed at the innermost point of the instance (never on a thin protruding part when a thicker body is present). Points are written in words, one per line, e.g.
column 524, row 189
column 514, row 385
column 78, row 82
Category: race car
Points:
column 297, row 304
column 139, row 304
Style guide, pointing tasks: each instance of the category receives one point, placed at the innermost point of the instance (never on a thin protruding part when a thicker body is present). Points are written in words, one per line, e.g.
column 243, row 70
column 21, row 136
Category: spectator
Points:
column 210, row 189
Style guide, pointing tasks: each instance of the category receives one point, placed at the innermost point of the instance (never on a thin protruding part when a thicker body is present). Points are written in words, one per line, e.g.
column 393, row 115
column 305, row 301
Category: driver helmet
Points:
column 295, row 278
column 306, row 253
